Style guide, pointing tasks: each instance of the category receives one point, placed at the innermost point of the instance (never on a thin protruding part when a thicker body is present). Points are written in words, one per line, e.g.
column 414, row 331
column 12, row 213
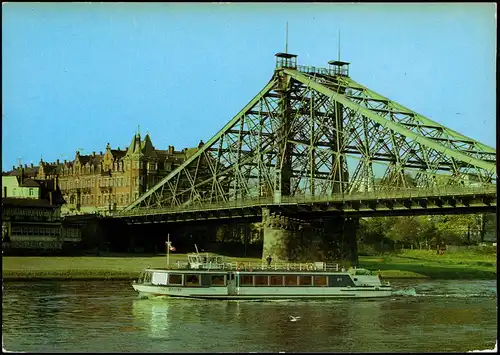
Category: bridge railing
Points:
column 387, row 193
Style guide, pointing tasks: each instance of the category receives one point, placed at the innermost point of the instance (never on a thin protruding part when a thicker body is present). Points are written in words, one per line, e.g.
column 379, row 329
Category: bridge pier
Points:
column 339, row 239
column 288, row 239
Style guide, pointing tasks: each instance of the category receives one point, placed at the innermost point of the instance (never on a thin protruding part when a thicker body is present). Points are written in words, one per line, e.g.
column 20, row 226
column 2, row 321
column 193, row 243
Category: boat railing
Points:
column 248, row 266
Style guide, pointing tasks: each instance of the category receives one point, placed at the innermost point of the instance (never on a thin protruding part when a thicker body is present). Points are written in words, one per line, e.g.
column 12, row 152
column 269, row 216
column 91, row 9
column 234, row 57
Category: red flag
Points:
column 171, row 248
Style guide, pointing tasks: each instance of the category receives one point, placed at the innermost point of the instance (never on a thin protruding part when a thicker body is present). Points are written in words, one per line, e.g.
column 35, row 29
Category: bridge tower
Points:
column 284, row 236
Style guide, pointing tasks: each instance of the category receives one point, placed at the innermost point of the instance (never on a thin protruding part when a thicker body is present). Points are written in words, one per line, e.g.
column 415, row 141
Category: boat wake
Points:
column 494, row 350
column 411, row 292
column 405, row 292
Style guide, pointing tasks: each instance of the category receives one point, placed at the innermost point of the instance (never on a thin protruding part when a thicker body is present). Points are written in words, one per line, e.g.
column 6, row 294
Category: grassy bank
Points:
column 86, row 267
column 410, row 264
column 427, row 264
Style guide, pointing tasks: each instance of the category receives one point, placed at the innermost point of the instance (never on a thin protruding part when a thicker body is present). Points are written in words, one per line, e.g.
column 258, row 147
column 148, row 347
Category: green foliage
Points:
column 422, row 231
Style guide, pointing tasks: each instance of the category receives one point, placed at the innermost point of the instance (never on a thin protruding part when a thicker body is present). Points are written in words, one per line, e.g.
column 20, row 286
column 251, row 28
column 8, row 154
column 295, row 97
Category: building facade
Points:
column 31, row 215
column 110, row 180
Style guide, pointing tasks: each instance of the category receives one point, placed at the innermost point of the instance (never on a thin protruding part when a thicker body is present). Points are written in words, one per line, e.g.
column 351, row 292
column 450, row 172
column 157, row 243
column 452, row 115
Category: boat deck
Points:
column 239, row 266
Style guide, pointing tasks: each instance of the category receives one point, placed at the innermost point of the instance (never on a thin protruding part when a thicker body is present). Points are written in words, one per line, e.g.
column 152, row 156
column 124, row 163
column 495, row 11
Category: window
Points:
column 31, row 192
column 122, row 182
column 246, row 280
column 290, row 280
column 320, row 281
column 276, row 280
column 192, row 280
column 175, row 279
column 260, row 280
column 147, row 277
column 99, row 199
column 305, row 280
column 218, row 280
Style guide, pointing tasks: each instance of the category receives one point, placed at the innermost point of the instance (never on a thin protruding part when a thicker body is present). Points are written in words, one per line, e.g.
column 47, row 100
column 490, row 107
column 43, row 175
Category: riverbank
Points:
column 410, row 264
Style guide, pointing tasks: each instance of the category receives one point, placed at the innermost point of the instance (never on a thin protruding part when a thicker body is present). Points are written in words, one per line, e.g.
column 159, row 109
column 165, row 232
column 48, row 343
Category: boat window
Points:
column 305, row 280
column 192, row 280
column 246, row 280
column 290, row 280
column 276, row 280
column 320, row 280
column 218, row 280
column 147, row 277
column 260, row 280
column 175, row 279
column 159, row 278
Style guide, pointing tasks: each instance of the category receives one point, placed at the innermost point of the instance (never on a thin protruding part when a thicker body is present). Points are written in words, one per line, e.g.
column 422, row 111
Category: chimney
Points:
column 93, row 154
column 170, row 149
column 100, row 153
column 118, row 148
column 26, row 166
column 13, row 167
column 57, row 161
column 31, row 164
column 64, row 161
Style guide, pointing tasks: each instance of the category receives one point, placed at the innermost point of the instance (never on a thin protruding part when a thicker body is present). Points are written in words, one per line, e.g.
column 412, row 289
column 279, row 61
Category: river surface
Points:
column 108, row 316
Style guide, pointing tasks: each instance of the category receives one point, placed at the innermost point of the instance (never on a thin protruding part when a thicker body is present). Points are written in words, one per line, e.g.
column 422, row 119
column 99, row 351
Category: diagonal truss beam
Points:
column 389, row 124
column 197, row 155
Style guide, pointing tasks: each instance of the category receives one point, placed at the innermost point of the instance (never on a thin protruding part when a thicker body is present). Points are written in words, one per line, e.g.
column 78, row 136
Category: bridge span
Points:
column 300, row 154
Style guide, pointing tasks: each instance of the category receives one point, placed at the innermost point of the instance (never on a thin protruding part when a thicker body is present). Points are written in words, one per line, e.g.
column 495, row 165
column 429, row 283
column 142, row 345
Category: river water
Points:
column 108, row 316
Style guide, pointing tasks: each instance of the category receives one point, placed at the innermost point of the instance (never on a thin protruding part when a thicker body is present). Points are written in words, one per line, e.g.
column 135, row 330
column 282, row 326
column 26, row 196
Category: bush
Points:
column 367, row 250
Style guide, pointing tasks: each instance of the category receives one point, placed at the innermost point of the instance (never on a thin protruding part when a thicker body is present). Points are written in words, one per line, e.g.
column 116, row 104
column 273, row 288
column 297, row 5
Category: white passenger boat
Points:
column 210, row 277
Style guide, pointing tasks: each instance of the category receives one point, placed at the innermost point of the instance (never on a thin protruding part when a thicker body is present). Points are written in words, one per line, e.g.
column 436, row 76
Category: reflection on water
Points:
column 109, row 316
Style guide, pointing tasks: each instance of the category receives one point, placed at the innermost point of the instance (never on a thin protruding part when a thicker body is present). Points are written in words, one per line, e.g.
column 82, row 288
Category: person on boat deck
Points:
column 269, row 259
column 343, row 269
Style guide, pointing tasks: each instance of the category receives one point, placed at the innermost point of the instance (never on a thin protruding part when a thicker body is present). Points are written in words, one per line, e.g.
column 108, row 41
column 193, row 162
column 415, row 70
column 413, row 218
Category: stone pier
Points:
column 288, row 239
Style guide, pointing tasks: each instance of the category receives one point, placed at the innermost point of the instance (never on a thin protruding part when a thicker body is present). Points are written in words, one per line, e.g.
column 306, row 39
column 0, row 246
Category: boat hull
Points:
column 263, row 292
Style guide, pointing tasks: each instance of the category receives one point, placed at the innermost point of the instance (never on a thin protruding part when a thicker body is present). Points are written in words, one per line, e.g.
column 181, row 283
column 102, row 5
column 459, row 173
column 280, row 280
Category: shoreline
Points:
column 415, row 265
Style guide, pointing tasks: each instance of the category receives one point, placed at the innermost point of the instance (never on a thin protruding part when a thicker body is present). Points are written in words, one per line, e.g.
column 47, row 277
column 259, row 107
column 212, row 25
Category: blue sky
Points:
column 80, row 75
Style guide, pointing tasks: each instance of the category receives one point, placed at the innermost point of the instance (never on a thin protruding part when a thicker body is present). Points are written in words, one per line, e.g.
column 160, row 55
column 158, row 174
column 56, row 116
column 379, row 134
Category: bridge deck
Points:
column 468, row 197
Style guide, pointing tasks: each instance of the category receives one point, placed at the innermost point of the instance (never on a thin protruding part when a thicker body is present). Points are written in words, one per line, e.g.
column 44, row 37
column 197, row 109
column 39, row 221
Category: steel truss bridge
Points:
column 315, row 141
